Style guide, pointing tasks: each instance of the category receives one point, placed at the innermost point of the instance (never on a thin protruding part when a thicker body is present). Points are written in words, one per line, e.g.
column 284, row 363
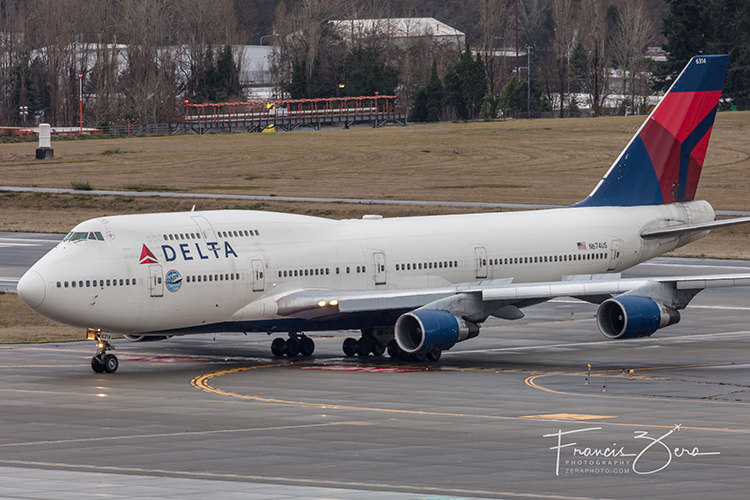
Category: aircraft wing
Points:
column 499, row 293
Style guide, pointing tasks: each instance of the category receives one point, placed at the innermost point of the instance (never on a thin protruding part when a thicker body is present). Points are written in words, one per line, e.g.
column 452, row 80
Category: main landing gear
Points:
column 297, row 343
column 102, row 362
column 376, row 342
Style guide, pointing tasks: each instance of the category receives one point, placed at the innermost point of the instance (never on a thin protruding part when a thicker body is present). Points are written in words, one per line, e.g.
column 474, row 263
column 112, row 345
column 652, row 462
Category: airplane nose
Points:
column 31, row 289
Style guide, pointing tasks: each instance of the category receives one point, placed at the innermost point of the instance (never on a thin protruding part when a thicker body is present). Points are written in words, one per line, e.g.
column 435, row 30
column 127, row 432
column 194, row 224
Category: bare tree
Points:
column 633, row 34
column 565, row 34
column 149, row 82
column 494, row 22
column 594, row 42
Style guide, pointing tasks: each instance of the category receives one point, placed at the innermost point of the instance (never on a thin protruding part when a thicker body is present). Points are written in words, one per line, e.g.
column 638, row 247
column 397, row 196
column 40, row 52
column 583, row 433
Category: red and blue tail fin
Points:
column 663, row 161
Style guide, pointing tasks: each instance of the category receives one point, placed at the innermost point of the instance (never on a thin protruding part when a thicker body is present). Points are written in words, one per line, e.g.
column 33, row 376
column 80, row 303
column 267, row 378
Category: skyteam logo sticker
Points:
column 173, row 280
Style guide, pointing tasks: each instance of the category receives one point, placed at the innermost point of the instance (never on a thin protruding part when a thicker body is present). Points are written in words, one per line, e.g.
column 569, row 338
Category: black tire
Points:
column 394, row 350
column 434, row 355
column 97, row 364
column 277, row 347
column 306, row 346
column 292, row 347
column 419, row 356
column 350, row 346
column 364, row 347
column 111, row 363
column 377, row 348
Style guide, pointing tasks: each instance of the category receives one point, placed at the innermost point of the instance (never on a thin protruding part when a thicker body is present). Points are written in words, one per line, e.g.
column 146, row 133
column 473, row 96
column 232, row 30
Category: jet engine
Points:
column 145, row 338
column 427, row 330
column 628, row 316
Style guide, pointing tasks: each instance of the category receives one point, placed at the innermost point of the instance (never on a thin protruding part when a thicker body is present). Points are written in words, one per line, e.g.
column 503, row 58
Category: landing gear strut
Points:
column 297, row 343
column 102, row 362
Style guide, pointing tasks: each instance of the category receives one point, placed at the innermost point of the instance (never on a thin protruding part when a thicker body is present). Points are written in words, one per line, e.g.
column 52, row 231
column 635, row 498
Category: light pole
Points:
column 23, row 112
column 528, row 80
column 80, row 100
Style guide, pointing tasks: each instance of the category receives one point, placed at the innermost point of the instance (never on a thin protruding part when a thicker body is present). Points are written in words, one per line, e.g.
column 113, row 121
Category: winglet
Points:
column 663, row 161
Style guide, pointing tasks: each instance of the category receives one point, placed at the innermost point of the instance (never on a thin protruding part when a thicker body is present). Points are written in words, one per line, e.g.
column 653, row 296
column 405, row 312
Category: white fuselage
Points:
column 188, row 284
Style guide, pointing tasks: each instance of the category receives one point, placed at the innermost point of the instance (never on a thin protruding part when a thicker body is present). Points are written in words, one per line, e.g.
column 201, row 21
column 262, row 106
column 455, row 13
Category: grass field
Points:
column 521, row 161
column 537, row 161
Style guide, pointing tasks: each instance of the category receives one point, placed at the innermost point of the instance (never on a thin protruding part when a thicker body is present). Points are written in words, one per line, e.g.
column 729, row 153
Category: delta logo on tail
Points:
column 147, row 257
column 663, row 162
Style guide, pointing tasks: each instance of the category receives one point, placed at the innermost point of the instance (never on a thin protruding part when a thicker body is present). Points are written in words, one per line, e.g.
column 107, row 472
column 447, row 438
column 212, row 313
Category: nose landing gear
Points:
column 102, row 362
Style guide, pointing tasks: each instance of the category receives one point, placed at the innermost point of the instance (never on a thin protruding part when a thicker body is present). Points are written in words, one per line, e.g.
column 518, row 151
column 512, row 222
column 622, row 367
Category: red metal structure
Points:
column 289, row 114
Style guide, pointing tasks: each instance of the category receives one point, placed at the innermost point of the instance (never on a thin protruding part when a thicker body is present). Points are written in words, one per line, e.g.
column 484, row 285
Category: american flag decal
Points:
column 581, row 245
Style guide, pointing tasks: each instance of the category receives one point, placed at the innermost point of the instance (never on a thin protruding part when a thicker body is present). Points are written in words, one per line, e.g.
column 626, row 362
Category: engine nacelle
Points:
column 627, row 317
column 145, row 338
column 426, row 330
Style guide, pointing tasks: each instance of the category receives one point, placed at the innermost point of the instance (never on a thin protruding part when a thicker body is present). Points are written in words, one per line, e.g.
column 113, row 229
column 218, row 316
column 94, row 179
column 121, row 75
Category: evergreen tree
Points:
column 695, row 27
column 428, row 103
column 511, row 98
column 465, row 86
column 298, row 86
column 226, row 80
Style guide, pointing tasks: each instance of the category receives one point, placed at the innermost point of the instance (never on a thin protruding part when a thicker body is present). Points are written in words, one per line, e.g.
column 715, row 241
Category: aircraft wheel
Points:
column 277, row 347
column 306, row 346
column 350, row 347
column 434, row 355
column 364, row 347
column 292, row 347
column 419, row 356
column 97, row 364
column 111, row 363
column 394, row 350
column 377, row 348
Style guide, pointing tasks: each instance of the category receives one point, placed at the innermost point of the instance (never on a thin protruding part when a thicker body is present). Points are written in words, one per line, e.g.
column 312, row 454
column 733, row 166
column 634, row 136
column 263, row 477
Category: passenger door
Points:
column 379, row 264
column 155, row 281
column 257, row 270
column 481, row 261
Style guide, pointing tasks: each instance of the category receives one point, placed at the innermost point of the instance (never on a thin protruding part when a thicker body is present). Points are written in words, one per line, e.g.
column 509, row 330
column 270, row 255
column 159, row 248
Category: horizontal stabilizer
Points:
column 664, row 232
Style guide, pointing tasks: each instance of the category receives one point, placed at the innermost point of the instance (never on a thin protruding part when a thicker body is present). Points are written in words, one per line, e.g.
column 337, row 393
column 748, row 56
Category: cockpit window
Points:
column 80, row 236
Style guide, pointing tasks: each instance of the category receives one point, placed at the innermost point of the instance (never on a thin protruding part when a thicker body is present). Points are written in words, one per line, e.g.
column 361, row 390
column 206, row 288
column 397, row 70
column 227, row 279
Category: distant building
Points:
column 404, row 30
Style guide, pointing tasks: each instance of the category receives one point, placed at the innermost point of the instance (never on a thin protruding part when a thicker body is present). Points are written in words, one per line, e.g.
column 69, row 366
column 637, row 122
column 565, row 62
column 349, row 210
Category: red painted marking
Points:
column 365, row 369
column 681, row 112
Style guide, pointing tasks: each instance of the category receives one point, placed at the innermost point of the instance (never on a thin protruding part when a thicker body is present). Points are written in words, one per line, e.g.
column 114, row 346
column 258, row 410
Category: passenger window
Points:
column 108, row 281
column 59, row 284
column 363, row 268
column 348, row 270
column 338, row 271
column 66, row 284
column 420, row 265
column 305, row 272
column 120, row 282
column 88, row 283
column 326, row 271
column 245, row 232
column 73, row 284
column 257, row 233
column 358, row 268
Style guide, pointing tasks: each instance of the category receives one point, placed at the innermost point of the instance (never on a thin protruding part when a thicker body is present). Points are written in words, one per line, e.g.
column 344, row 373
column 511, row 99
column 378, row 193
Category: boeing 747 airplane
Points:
column 413, row 286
